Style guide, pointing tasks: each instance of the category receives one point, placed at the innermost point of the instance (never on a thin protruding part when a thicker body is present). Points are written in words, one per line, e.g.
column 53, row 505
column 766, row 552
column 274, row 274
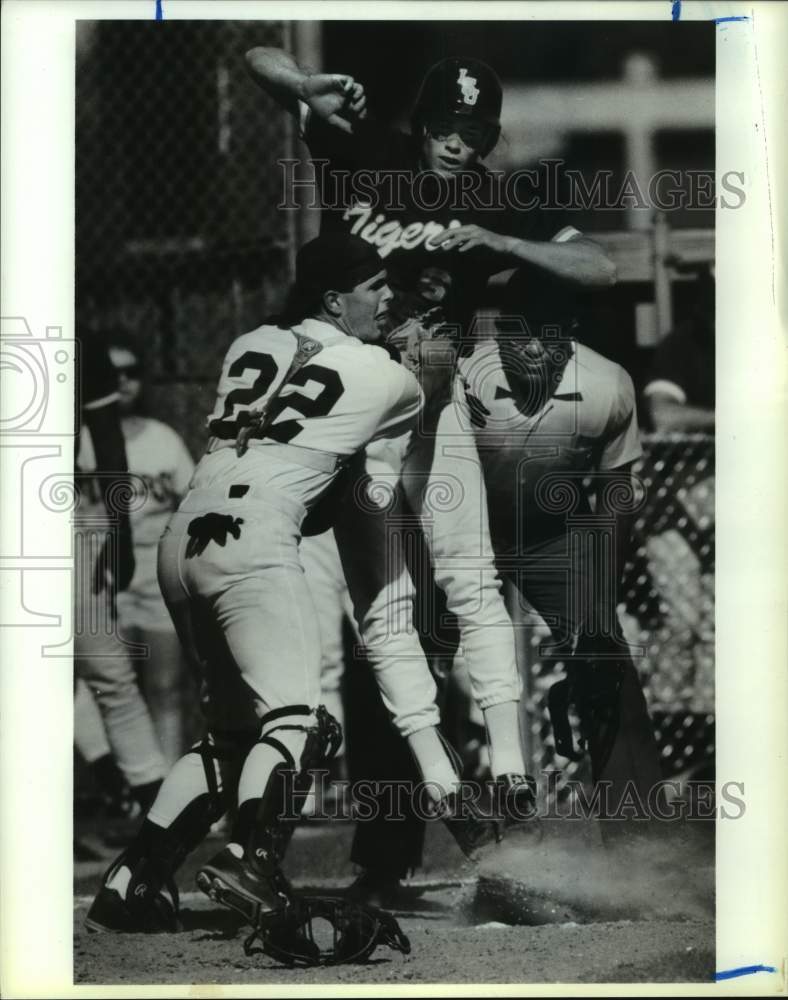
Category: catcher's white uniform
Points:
column 438, row 469
column 229, row 565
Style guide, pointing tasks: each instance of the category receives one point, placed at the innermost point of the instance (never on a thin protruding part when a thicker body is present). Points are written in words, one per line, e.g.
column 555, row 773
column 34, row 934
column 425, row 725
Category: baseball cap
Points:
column 460, row 87
column 336, row 262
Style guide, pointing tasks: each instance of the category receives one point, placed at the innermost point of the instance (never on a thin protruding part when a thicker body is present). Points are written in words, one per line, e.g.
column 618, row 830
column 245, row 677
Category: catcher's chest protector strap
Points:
column 356, row 931
column 260, row 420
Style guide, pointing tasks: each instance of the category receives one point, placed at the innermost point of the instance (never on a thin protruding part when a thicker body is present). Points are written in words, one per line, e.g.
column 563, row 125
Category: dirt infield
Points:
column 523, row 921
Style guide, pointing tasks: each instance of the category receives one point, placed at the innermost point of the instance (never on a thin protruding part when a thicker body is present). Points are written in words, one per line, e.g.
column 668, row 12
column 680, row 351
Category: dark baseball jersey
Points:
column 372, row 186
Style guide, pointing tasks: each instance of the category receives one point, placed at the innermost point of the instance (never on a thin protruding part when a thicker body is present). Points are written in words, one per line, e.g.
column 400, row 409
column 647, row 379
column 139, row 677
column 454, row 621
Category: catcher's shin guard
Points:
column 279, row 809
column 132, row 896
column 250, row 880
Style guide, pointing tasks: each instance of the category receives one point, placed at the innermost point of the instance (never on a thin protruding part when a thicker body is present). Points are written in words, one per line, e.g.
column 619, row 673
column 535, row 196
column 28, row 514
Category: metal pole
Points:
column 662, row 290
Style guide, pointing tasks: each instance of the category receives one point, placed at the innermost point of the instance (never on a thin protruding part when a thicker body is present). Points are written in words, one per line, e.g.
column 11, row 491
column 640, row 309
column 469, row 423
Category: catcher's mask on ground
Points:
column 325, row 930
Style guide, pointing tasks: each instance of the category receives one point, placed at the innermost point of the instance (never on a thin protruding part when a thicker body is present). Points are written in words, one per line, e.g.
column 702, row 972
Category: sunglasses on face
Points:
column 472, row 134
column 128, row 371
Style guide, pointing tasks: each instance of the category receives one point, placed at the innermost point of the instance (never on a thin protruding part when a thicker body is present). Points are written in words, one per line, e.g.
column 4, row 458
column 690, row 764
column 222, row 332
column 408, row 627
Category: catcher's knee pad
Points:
column 304, row 738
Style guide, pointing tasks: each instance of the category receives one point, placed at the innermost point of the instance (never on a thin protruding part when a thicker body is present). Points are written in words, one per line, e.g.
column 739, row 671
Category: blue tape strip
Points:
column 745, row 970
column 159, row 11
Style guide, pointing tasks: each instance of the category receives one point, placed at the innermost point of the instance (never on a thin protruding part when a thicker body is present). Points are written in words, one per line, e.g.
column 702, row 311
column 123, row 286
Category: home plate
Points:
column 503, row 900
column 560, row 881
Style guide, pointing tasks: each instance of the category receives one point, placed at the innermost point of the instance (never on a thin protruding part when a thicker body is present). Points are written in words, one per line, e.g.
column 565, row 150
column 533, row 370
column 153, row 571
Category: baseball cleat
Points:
column 231, row 881
column 472, row 831
column 515, row 800
column 374, row 889
column 127, row 906
column 381, row 890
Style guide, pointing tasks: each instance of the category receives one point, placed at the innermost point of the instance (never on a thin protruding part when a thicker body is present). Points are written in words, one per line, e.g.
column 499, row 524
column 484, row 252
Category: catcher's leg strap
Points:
column 324, row 736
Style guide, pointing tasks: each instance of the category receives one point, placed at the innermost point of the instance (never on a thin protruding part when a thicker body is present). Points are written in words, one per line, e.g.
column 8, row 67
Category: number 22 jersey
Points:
column 347, row 395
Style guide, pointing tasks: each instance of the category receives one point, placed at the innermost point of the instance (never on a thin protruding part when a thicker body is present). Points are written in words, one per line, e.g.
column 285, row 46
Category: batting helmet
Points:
column 466, row 88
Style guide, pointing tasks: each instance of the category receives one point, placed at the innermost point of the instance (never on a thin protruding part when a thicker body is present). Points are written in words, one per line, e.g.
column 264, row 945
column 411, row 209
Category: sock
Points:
column 244, row 824
column 185, row 782
column 503, row 733
column 146, row 794
column 144, row 844
column 108, row 777
column 434, row 762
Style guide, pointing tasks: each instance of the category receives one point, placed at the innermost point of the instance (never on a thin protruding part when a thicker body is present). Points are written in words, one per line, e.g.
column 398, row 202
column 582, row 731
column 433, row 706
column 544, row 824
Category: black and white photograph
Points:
column 397, row 647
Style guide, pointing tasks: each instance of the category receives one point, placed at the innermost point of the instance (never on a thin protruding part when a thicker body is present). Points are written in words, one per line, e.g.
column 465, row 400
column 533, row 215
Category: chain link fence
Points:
column 180, row 243
column 667, row 612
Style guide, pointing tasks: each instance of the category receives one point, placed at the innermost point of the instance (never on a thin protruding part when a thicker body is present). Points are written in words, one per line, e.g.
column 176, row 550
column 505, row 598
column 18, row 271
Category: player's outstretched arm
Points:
column 334, row 97
column 579, row 259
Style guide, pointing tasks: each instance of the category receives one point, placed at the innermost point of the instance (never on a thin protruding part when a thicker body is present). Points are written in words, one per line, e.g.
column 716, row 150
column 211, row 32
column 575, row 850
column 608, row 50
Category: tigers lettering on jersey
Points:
column 389, row 235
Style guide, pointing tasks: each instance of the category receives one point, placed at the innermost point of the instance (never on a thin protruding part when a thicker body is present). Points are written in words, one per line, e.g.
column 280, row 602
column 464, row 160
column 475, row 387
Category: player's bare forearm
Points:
column 334, row 97
column 579, row 260
column 278, row 74
column 670, row 416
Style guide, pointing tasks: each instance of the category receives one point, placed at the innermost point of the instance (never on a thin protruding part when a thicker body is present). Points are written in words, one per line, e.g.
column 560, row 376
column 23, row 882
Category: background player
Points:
column 104, row 560
column 161, row 467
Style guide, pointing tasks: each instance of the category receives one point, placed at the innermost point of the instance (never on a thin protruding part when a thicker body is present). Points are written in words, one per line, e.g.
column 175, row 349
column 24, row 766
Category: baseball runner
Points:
column 440, row 222
column 295, row 403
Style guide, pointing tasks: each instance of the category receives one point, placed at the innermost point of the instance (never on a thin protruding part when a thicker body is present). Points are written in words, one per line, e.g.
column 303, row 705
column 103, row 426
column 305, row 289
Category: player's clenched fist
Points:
column 335, row 98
